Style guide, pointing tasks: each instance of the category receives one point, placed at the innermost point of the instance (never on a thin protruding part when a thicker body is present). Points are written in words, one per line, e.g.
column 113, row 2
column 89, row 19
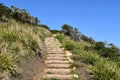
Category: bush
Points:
column 55, row 31
column 105, row 70
column 101, row 68
column 8, row 62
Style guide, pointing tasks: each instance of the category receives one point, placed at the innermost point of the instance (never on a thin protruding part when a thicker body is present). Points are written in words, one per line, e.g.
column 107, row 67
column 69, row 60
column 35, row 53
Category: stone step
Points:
column 55, row 49
column 58, row 76
column 58, row 71
column 57, row 61
column 56, row 52
column 56, row 55
column 58, row 65
column 56, row 58
column 49, row 45
column 52, row 47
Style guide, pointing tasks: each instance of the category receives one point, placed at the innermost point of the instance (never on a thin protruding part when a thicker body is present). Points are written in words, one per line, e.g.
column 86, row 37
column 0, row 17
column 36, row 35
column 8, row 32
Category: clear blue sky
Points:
column 99, row 19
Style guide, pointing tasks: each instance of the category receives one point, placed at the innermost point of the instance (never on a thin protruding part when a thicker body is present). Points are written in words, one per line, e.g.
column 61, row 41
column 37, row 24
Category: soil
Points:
column 32, row 69
column 81, row 68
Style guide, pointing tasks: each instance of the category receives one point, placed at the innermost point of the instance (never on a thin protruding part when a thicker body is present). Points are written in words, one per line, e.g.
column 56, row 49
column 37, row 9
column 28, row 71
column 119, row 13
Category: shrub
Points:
column 8, row 62
column 105, row 70
column 101, row 68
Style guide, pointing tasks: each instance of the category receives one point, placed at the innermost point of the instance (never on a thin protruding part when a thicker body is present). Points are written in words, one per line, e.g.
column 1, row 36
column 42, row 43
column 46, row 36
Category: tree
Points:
column 36, row 20
column 55, row 31
column 66, row 29
column 88, row 39
column 44, row 26
column 4, row 11
column 99, row 46
column 18, row 14
column 72, row 32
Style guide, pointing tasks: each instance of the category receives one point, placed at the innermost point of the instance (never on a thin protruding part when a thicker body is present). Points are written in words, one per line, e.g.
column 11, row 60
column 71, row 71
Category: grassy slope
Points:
column 18, row 42
column 99, row 68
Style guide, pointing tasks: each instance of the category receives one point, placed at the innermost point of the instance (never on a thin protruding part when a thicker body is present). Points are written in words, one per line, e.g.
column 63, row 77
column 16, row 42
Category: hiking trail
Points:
column 57, row 61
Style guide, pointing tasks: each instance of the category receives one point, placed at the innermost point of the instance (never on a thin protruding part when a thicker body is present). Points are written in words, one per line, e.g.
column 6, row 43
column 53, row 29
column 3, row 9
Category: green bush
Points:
column 105, row 70
column 8, row 62
column 100, row 68
column 55, row 31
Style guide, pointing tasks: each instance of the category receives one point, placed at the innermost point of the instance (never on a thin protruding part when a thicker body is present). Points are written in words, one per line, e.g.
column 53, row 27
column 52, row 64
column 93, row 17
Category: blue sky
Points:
column 99, row 19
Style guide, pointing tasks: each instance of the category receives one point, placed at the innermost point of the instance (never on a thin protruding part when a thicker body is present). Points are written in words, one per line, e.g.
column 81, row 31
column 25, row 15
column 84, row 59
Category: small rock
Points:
column 75, row 76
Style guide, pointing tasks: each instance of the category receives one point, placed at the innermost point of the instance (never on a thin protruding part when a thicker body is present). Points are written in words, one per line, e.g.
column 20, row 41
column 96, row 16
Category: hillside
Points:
column 29, row 49
column 92, row 61
column 21, row 49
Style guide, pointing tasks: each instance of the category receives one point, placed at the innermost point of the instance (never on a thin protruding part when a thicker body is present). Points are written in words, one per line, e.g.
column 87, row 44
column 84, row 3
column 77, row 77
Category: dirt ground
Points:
column 33, row 69
column 81, row 67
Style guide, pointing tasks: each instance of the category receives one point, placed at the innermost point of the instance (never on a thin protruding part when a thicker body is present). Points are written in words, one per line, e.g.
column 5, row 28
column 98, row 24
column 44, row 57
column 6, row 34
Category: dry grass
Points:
column 18, row 40
column 100, row 68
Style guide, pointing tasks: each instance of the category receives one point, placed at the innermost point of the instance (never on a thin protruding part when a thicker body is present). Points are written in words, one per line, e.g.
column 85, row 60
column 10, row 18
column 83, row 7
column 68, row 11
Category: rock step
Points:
column 52, row 47
column 56, row 55
column 56, row 58
column 58, row 48
column 57, row 61
column 55, row 49
column 55, row 52
column 58, row 65
column 58, row 76
column 58, row 71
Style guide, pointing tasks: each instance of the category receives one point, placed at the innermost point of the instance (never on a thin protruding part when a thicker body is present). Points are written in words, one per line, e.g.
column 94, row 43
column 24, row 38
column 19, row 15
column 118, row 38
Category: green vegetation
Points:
column 20, row 15
column 100, row 67
column 72, row 32
column 55, row 31
column 21, row 37
column 18, row 41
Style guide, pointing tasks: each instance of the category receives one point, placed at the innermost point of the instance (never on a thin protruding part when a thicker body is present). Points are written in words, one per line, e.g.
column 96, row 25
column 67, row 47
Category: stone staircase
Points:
column 57, row 62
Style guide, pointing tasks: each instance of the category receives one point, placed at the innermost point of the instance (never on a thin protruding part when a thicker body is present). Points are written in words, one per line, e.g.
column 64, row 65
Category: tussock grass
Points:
column 100, row 68
column 18, row 40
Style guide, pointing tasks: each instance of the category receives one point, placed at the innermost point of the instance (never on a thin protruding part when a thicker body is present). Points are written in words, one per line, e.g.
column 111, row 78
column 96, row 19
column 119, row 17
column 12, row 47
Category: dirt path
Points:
column 57, row 62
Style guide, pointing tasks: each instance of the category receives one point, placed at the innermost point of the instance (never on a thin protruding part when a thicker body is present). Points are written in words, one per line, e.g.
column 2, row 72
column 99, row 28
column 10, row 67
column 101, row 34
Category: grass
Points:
column 100, row 68
column 18, row 41
column 106, row 70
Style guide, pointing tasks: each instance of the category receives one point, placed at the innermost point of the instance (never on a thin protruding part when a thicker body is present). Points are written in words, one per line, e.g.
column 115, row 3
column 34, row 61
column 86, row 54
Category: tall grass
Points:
column 99, row 68
column 18, row 41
